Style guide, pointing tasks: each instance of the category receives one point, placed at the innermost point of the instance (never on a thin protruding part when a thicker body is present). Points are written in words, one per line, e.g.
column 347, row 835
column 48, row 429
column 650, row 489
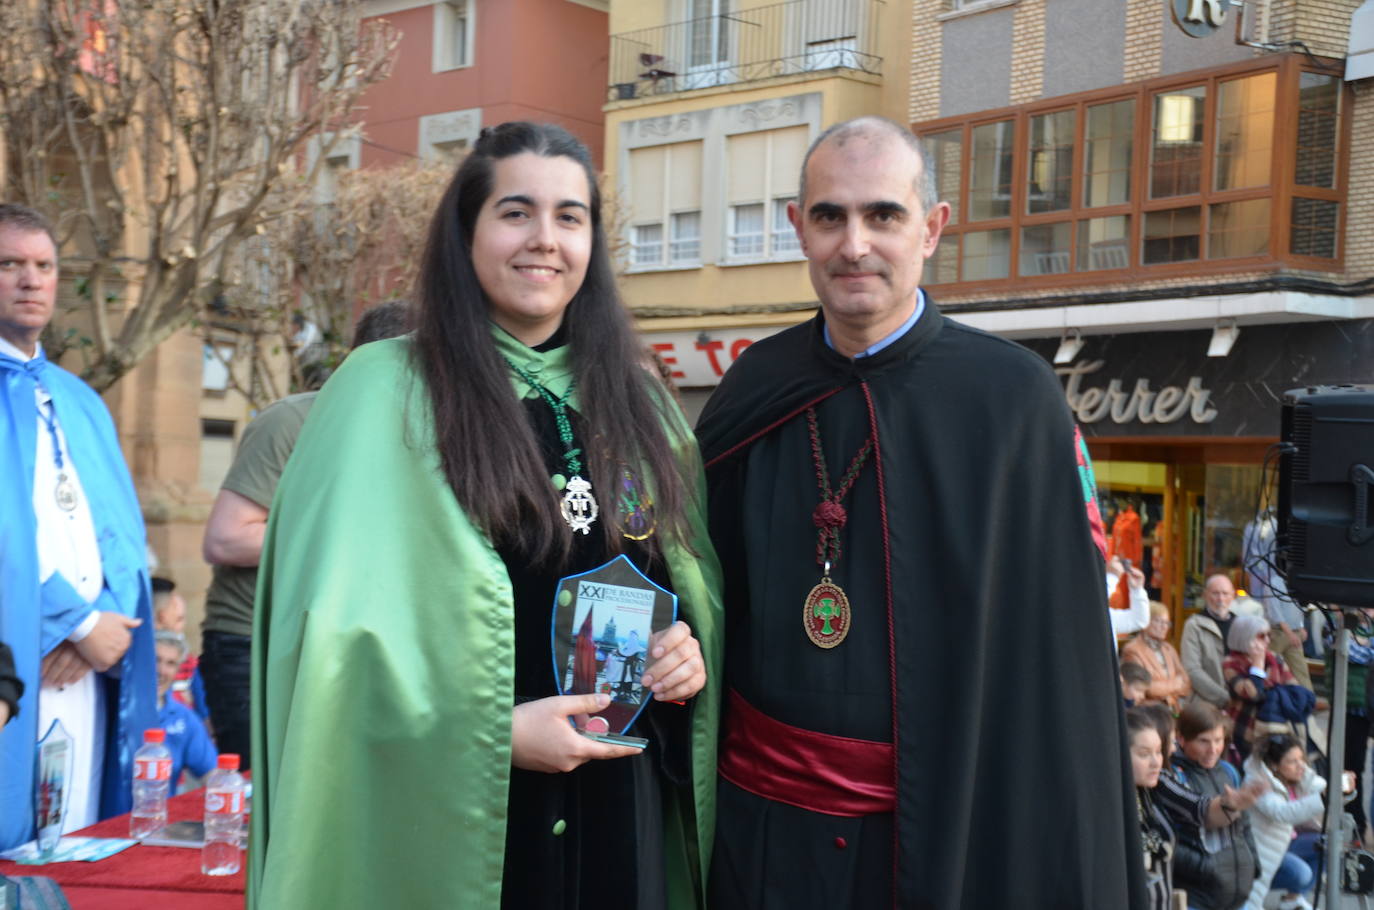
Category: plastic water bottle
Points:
column 152, row 780
column 224, row 792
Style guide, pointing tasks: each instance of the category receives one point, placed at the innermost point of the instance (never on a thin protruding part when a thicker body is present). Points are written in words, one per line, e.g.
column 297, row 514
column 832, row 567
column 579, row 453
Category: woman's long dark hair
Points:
column 487, row 448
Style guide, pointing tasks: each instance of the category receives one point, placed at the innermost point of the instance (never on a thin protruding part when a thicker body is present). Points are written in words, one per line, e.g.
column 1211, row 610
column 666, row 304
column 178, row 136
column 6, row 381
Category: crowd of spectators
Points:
column 1230, row 808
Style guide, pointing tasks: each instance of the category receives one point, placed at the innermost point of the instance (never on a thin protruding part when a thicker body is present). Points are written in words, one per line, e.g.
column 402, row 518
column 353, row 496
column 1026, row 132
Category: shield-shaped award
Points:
column 602, row 621
column 53, row 768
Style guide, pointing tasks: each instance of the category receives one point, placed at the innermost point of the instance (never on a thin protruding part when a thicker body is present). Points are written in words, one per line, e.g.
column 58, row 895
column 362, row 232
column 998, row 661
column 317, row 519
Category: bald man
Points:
column 922, row 706
column 1203, row 645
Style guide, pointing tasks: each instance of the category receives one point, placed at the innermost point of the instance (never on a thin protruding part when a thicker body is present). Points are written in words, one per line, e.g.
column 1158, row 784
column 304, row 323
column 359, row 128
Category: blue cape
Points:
column 34, row 618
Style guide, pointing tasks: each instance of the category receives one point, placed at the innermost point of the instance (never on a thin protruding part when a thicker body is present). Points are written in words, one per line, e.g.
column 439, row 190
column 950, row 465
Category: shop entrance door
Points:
column 1179, row 511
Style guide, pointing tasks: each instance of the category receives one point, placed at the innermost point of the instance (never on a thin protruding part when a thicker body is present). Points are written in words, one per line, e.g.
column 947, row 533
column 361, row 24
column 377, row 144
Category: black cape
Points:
column 980, row 642
column 611, row 853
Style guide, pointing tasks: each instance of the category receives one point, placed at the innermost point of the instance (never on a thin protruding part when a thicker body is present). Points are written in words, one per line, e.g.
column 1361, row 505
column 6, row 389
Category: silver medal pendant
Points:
column 65, row 493
column 579, row 506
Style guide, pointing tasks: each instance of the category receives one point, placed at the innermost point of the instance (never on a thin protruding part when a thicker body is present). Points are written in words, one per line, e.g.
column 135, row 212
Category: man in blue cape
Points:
column 74, row 591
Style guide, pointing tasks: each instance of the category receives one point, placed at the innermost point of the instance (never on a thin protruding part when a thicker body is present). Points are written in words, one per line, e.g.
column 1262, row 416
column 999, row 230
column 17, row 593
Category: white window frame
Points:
column 956, row 8
column 734, row 236
column 770, row 251
column 448, row 134
column 718, row 69
column 448, row 14
column 669, row 243
column 216, row 363
column 638, row 248
column 684, row 249
column 781, row 227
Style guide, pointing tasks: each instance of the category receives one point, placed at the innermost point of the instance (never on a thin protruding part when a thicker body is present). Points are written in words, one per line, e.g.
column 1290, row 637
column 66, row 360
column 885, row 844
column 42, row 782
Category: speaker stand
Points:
column 1333, row 856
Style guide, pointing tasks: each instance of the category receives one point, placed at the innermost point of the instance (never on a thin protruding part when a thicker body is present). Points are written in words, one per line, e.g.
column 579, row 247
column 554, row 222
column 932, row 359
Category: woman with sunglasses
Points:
column 1264, row 698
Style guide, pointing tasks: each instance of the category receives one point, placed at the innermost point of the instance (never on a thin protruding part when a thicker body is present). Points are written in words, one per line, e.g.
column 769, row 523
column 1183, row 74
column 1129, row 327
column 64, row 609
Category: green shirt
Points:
column 266, row 445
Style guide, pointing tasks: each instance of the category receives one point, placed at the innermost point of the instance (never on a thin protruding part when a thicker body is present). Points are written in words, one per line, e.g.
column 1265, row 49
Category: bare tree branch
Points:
column 161, row 135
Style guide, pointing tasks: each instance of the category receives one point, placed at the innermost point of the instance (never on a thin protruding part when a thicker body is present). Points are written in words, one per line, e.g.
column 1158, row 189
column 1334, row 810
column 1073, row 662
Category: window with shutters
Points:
column 762, row 173
column 665, row 206
column 453, row 34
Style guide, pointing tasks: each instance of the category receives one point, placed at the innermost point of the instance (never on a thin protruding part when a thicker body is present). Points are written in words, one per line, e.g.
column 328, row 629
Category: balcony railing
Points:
column 800, row 36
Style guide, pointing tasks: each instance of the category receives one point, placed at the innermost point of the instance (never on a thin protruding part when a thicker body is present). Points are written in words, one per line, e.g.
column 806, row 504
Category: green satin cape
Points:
column 383, row 661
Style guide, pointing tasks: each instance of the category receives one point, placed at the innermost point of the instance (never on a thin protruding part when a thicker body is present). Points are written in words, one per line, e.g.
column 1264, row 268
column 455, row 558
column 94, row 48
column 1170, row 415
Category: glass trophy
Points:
column 52, row 782
column 602, row 622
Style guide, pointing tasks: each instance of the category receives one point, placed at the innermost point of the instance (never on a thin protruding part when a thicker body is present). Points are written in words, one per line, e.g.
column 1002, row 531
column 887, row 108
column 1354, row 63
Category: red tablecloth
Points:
column 142, row 877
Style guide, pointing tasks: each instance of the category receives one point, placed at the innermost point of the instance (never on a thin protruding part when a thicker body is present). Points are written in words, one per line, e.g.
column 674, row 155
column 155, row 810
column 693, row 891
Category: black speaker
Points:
column 1326, row 495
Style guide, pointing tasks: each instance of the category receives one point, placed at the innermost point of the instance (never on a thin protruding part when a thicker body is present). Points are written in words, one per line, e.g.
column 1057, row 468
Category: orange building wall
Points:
column 532, row 60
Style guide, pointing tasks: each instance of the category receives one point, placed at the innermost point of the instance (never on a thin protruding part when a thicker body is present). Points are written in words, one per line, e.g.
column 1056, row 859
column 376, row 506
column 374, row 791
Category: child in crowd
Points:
column 1135, row 679
column 169, row 613
column 1294, row 794
column 187, row 739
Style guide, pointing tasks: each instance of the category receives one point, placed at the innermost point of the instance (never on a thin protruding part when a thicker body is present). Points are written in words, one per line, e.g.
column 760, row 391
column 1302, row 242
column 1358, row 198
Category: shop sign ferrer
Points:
column 1168, row 404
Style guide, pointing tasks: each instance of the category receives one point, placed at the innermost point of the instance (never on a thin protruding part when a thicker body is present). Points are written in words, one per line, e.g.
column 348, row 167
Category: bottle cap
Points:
column 228, row 761
column 156, row 735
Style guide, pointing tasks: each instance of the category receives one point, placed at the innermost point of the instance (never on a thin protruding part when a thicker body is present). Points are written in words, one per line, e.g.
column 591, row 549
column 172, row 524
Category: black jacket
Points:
column 11, row 686
column 1218, row 879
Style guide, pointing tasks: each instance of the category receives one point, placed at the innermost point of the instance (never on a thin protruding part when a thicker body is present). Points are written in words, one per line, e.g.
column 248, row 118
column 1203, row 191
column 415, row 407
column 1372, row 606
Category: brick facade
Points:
column 1322, row 25
column 1359, row 219
column 1028, row 51
column 1143, row 40
column 926, row 48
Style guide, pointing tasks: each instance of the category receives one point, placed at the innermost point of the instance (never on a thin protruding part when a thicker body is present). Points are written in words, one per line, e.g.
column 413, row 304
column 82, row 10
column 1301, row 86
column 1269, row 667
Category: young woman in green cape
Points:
column 410, row 746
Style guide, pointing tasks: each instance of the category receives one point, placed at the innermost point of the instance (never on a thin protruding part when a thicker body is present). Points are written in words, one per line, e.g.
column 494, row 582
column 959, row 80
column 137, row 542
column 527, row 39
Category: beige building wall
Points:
column 717, row 294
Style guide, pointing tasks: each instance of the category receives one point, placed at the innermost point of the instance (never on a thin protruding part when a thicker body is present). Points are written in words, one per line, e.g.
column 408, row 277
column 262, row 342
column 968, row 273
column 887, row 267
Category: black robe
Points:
column 980, row 643
column 611, row 851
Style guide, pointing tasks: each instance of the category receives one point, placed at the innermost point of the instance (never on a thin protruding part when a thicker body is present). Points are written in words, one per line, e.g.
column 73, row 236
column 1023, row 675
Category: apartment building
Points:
column 710, row 106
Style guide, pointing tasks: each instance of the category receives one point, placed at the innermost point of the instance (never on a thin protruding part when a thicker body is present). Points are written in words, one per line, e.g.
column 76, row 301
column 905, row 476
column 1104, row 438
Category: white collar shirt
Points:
column 66, row 539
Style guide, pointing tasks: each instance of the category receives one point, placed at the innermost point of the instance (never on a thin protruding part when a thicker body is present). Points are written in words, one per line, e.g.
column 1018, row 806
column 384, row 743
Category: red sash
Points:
column 834, row 775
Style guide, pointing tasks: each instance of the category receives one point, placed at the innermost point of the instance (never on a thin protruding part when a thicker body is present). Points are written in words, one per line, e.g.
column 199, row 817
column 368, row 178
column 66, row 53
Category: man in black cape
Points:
column 922, row 702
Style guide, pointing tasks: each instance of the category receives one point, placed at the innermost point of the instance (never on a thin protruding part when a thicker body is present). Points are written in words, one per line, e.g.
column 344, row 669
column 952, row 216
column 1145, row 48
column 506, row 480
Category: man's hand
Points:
column 1245, row 797
column 1294, row 638
column 541, row 739
column 64, row 666
column 677, row 671
column 1136, row 579
column 108, row 640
